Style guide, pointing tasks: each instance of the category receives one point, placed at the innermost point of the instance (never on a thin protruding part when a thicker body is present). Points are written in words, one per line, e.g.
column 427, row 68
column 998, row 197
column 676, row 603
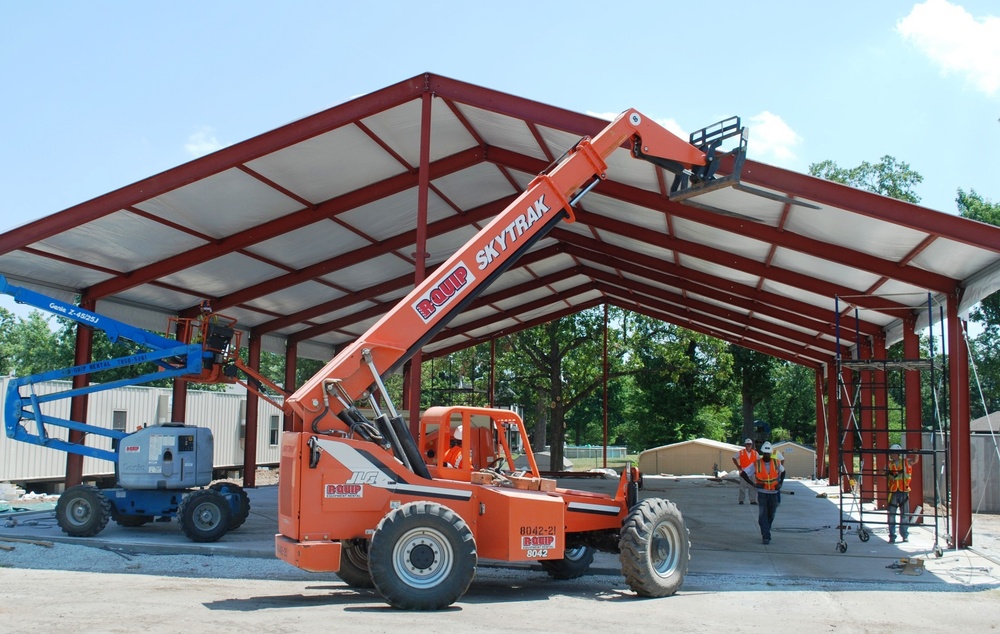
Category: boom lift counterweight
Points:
column 363, row 499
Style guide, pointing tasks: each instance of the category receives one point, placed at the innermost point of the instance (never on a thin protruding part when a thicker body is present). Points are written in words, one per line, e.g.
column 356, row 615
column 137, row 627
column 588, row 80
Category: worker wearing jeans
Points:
column 899, row 471
column 767, row 476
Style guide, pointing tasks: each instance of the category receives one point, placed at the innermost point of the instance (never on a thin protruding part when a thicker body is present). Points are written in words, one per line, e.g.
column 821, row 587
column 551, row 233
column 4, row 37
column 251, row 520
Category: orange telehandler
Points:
column 363, row 499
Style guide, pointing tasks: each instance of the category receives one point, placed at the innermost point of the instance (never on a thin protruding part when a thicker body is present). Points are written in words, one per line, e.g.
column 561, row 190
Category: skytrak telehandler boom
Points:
column 359, row 497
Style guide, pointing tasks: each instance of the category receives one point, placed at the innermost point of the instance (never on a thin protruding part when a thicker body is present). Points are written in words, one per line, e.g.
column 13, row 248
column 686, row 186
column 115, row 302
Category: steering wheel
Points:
column 496, row 464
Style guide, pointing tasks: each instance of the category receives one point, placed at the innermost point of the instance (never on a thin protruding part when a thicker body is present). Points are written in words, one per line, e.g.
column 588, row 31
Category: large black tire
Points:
column 239, row 502
column 204, row 515
column 422, row 557
column 82, row 511
column 655, row 548
column 575, row 563
column 354, row 564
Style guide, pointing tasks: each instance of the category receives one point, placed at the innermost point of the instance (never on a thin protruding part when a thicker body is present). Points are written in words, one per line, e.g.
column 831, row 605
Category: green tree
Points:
column 791, row 406
column 7, row 321
column 683, row 384
column 754, row 371
column 461, row 378
column 888, row 177
column 30, row 346
column 985, row 347
column 557, row 366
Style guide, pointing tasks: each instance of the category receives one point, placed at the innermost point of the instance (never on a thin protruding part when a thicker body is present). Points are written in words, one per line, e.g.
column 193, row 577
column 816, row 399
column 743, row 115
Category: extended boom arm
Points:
column 326, row 401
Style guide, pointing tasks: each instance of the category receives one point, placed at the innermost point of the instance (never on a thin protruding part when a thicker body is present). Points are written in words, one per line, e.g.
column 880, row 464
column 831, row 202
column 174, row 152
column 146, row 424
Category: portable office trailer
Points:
column 128, row 408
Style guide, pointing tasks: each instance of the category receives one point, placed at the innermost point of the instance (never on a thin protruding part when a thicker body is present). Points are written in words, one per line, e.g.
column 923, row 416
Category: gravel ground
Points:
column 58, row 556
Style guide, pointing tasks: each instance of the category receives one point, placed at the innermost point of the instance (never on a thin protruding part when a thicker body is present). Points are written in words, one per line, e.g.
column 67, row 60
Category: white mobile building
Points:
column 128, row 408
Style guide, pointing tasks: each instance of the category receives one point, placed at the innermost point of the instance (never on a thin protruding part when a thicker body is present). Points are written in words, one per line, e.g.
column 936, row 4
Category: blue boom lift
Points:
column 160, row 469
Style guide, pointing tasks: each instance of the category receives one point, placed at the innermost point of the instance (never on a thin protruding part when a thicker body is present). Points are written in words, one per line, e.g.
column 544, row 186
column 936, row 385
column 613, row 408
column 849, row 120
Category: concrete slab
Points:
column 725, row 538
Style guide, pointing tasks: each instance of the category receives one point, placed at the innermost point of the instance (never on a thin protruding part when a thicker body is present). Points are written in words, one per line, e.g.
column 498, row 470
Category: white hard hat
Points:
column 765, row 448
column 895, row 447
column 458, row 433
column 748, row 441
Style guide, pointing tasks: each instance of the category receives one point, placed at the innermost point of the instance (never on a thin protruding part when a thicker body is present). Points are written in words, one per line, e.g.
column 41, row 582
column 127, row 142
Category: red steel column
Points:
column 420, row 253
column 253, row 406
column 881, row 422
column 291, row 367
column 82, row 354
column 848, row 424
column 961, row 470
column 914, row 410
column 833, row 468
column 866, row 425
column 820, row 467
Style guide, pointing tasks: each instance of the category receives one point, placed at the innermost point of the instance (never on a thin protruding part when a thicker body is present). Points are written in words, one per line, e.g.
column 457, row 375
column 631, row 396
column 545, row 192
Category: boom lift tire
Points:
column 354, row 564
column 575, row 563
column 655, row 548
column 82, row 511
column 422, row 556
column 204, row 515
column 237, row 517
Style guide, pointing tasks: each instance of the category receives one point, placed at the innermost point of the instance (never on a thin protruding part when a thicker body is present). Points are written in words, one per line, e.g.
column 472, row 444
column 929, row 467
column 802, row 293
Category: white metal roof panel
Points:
column 328, row 165
column 308, row 245
column 221, row 204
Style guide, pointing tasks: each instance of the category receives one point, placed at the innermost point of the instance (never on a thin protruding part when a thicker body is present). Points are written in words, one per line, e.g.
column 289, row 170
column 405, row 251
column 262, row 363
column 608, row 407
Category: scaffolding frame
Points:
column 871, row 410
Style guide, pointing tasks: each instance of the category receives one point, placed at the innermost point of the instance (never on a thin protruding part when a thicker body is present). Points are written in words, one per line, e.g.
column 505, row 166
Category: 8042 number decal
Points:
column 538, row 530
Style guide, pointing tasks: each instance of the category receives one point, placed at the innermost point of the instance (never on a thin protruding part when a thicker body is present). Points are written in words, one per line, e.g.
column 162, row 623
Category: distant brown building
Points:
column 691, row 457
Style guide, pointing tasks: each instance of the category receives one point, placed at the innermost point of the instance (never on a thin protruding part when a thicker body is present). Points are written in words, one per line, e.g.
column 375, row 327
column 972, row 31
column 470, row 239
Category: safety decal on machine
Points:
column 344, row 491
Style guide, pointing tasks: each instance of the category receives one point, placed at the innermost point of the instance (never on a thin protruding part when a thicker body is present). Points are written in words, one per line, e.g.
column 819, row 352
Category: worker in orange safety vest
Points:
column 743, row 459
column 767, row 476
column 899, row 471
column 453, row 457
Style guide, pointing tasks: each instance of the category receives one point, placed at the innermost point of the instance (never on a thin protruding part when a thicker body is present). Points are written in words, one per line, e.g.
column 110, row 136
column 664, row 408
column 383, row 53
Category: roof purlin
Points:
column 737, row 262
column 331, row 265
column 758, row 231
column 748, row 306
column 278, row 226
column 731, row 333
column 752, row 294
column 738, row 320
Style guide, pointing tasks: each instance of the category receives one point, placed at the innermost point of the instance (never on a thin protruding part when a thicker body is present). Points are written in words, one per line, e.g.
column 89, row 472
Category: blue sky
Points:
column 98, row 95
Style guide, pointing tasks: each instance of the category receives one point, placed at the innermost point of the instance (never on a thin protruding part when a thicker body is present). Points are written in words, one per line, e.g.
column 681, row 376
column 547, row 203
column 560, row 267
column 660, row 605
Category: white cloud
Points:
column 956, row 41
column 771, row 140
column 202, row 142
